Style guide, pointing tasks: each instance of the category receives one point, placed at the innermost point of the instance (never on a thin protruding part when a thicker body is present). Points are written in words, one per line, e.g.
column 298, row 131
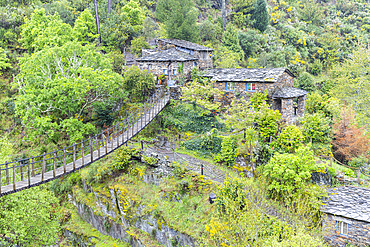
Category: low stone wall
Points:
column 358, row 232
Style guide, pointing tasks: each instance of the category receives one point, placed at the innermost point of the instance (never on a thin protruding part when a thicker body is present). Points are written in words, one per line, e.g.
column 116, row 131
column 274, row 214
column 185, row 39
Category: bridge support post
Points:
column 13, row 176
column 74, row 157
column 91, row 150
column 7, row 173
column 43, row 167
column 64, row 161
column 82, row 153
column 117, row 135
column 54, row 164
column 112, row 138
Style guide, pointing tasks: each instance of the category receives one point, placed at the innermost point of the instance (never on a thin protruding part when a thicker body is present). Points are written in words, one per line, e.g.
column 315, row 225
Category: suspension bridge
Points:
column 26, row 173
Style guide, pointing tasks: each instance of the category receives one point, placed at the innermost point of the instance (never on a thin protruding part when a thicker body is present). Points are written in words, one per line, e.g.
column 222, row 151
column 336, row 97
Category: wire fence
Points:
column 28, row 172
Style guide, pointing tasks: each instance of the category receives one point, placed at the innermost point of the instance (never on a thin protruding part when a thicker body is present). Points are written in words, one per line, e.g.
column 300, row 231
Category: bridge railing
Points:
column 37, row 169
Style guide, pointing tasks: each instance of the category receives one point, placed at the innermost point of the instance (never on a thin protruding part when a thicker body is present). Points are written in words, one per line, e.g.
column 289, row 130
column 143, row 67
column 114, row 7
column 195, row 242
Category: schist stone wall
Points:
column 159, row 68
column 358, row 231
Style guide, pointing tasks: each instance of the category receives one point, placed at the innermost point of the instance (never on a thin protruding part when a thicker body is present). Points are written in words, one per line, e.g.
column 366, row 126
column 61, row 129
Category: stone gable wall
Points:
column 358, row 231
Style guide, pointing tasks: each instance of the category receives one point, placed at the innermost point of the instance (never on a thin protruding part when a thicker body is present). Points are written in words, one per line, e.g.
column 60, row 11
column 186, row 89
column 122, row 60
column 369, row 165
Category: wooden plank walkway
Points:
column 118, row 139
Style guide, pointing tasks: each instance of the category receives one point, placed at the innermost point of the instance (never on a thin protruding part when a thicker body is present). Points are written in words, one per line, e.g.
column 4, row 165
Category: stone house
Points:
column 202, row 53
column 245, row 82
column 167, row 62
column 346, row 216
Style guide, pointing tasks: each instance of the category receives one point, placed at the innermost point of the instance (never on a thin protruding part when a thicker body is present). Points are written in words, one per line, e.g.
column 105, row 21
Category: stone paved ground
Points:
column 209, row 171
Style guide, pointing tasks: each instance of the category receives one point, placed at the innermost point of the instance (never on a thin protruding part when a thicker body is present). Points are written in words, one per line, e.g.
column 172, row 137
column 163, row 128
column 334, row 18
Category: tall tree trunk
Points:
column 108, row 8
column 223, row 16
column 97, row 19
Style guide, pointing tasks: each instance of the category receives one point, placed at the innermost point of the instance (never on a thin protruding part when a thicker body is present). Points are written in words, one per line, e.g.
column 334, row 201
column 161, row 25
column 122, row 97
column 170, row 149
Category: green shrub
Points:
column 290, row 139
column 306, row 82
column 123, row 159
column 205, row 145
column 228, row 151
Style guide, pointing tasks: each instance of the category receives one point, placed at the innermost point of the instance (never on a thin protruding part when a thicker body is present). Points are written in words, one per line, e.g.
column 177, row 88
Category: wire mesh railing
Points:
column 28, row 172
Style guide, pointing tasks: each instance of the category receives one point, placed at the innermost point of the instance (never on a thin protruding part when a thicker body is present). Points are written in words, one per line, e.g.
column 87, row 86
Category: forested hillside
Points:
column 63, row 78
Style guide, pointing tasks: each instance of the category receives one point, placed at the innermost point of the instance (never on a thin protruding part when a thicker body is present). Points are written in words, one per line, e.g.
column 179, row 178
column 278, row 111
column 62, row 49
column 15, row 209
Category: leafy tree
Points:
column 260, row 15
column 352, row 83
column 290, row 139
column 180, row 18
column 224, row 58
column 306, row 82
column 6, row 149
column 317, row 103
column 286, row 173
column 59, row 87
column 137, row 44
column 240, row 115
column 134, row 15
column 248, row 41
column 3, row 61
column 42, row 31
column 84, row 29
column 231, row 41
column 202, row 92
column 228, row 151
column 267, row 121
column 138, row 83
column 317, row 127
column 29, row 216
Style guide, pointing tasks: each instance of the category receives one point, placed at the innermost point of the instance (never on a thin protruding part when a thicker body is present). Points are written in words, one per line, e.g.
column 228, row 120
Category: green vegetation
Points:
column 61, row 81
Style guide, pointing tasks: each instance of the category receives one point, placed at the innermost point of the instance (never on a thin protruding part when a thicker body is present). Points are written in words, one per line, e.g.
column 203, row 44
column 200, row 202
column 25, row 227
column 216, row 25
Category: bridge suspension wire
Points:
column 29, row 172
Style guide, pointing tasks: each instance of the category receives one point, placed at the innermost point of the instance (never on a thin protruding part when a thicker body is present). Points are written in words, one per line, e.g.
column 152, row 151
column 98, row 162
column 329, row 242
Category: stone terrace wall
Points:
column 358, row 231
column 158, row 67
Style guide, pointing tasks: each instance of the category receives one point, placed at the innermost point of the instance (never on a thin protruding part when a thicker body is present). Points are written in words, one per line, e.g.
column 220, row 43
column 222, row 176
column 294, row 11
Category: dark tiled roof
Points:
column 186, row 44
column 288, row 92
column 247, row 75
column 350, row 202
column 170, row 55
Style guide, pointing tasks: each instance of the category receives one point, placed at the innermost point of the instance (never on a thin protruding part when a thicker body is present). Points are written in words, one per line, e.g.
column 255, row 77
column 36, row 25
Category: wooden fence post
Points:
column 91, row 150
column 82, row 153
column 33, row 166
column 54, row 163
column 74, row 157
column 21, row 170
column 13, row 176
column 7, row 173
column 43, row 167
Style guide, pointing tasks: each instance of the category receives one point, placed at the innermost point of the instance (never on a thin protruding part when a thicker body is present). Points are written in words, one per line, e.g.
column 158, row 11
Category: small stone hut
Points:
column 346, row 214
column 278, row 82
column 202, row 53
column 167, row 62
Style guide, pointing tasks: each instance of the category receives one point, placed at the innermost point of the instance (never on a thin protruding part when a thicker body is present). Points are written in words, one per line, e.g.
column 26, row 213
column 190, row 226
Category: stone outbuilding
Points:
column 278, row 82
column 202, row 53
column 167, row 62
column 346, row 216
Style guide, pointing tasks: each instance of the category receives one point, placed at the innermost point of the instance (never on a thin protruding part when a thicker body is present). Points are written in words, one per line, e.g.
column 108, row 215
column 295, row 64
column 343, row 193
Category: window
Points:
column 141, row 67
column 251, row 87
column 342, row 228
column 150, row 66
column 165, row 71
column 230, row 86
column 174, row 71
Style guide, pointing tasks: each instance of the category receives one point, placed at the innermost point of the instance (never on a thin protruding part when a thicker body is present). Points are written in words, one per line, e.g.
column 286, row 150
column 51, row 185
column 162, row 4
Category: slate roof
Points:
column 288, row 92
column 350, row 202
column 170, row 55
column 186, row 44
column 247, row 75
